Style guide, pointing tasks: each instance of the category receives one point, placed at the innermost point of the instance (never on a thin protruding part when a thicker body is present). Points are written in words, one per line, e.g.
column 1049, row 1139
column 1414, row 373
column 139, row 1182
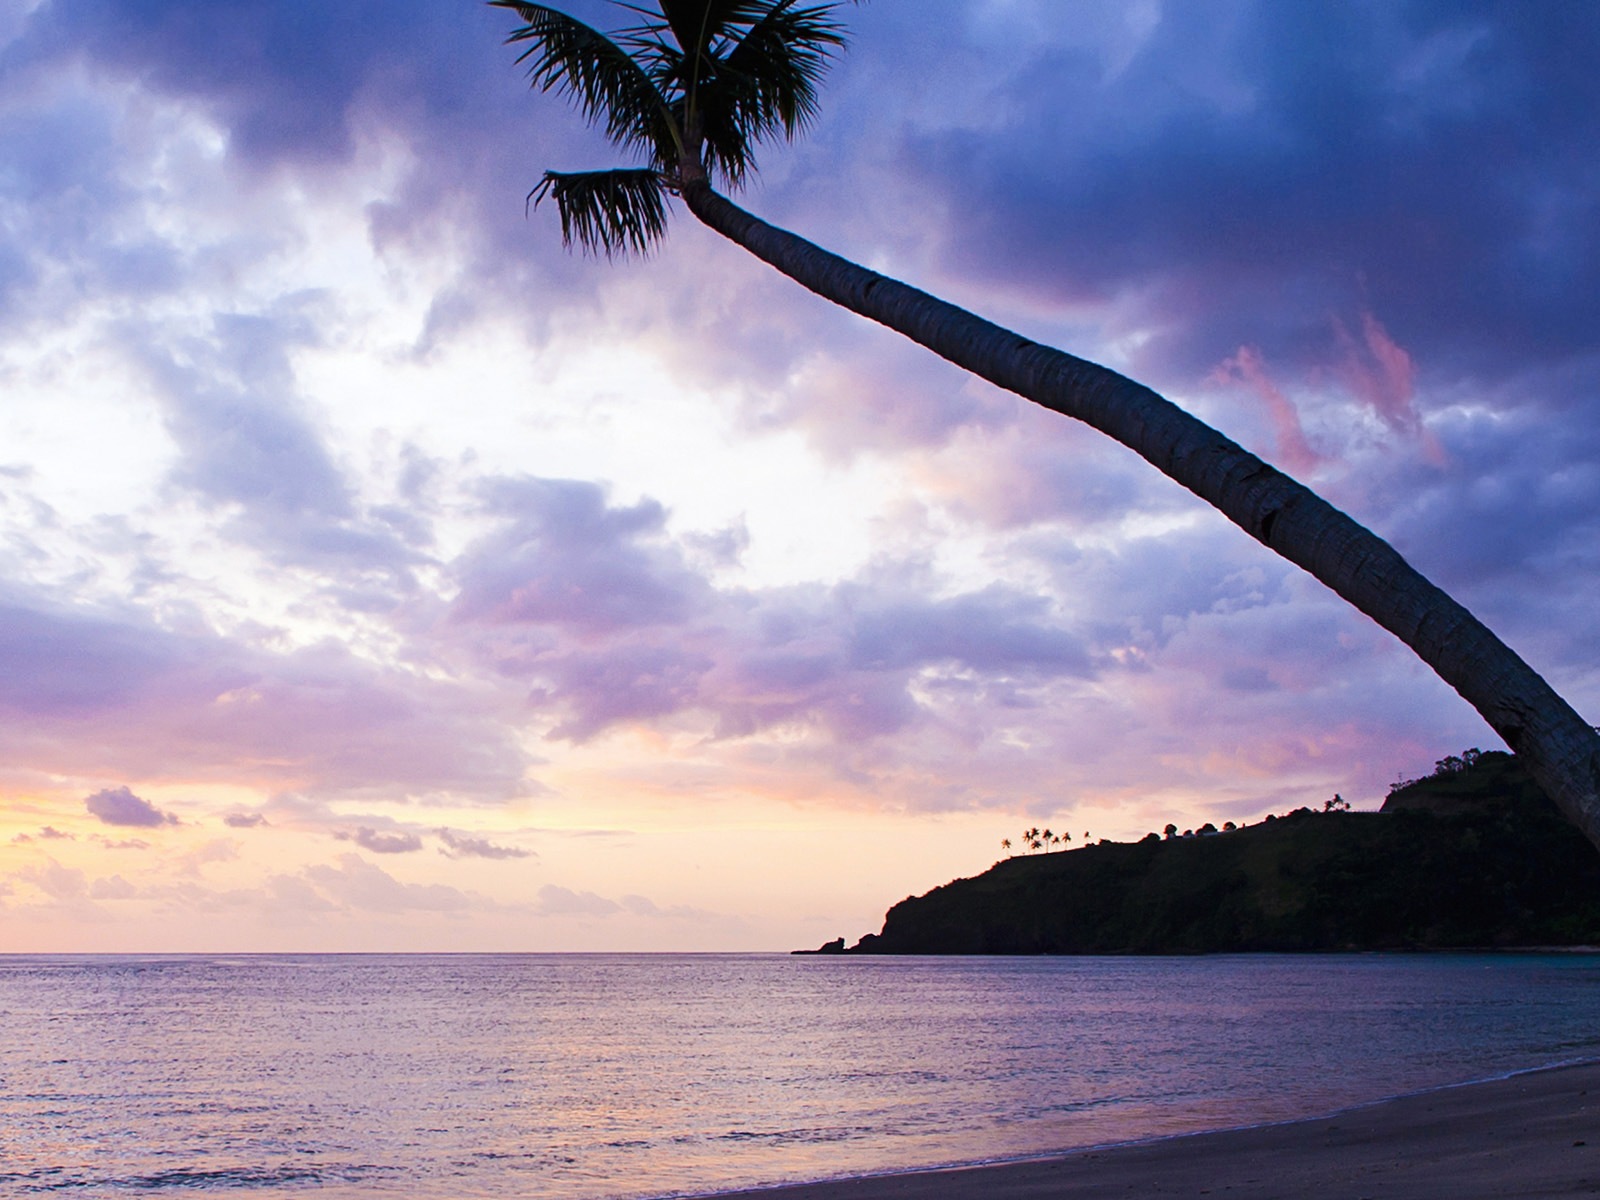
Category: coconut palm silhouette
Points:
column 693, row 86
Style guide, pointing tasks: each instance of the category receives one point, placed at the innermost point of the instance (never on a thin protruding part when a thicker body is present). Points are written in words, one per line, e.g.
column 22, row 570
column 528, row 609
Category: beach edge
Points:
column 1532, row 1133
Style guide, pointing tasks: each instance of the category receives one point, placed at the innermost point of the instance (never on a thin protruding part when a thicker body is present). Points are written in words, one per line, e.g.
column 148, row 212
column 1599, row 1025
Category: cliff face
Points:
column 1478, row 857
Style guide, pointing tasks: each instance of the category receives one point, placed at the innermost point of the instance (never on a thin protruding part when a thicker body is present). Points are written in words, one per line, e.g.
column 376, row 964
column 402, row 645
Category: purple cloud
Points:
column 70, row 664
column 1270, row 163
column 119, row 806
column 841, row 659
column 633, row 681
column 996, row 630
column 381, row 843
column 286, row 81
column 48, row 834
column 1282, row 216
column 566, row 558
column 459, row 845
column 109, row 690
column 244, row 820
column 246, row 446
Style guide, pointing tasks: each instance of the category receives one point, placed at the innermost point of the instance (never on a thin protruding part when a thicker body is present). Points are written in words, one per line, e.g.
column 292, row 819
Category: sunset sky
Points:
column 376, row 575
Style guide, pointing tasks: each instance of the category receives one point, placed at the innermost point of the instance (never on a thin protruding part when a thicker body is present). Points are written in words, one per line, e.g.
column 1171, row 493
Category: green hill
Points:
column 1473, row 856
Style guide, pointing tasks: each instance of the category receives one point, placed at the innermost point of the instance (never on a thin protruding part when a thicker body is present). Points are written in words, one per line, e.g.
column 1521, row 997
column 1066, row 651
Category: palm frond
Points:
column 765, row 84
column 698, row 25
column 609, row 88
column 694, row 23
column 773, row 73
column 608, row 212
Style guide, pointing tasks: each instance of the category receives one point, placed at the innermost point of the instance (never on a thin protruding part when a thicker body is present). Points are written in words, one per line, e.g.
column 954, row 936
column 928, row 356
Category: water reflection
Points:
column 594, row 1076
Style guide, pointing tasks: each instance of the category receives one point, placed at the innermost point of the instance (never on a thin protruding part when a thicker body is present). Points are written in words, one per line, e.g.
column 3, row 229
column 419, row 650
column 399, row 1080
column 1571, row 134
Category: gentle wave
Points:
column 587, row 1077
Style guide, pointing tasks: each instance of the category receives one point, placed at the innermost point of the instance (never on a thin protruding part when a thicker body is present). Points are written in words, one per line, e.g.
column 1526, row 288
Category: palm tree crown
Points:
column 693, row 85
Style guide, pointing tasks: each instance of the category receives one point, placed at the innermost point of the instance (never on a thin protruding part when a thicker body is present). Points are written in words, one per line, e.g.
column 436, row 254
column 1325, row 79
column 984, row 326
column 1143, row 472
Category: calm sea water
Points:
column 575, row 1076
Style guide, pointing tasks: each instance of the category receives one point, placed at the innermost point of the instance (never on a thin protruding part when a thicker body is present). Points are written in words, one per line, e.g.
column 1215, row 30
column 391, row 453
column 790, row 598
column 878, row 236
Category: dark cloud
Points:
column 119, row 806
column 460, row 845
column 285, row 79
column 1256, row 169
column 244, row 820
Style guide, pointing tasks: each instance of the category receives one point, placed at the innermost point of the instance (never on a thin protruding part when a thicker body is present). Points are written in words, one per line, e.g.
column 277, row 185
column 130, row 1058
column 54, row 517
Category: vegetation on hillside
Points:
column 1474, row 855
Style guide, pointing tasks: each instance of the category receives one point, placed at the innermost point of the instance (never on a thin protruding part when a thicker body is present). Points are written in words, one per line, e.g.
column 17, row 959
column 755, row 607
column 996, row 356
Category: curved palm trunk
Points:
column 1559, row 748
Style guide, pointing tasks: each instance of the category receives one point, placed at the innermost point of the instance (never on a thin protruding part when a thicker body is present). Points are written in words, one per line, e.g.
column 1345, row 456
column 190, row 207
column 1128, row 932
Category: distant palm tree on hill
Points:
column 692, row 86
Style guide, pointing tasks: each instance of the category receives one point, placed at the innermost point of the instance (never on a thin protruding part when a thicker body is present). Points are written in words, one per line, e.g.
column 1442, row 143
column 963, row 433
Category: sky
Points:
column 378, row 575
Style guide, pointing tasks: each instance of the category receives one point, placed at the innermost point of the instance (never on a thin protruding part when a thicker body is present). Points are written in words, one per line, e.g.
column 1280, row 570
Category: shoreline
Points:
column 1531, row 1133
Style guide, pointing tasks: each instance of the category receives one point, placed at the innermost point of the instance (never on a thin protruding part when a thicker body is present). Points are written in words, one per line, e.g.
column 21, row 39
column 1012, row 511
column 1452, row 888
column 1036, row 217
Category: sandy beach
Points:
column 1534, row 1135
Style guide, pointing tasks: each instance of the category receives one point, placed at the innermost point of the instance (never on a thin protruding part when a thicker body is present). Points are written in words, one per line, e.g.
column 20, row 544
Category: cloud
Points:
column 1238, row 161
column 643, row 906
column 1383, row 377
column 121, row 843
column 591, row 606
column 113, row 887
column 257, row 228
column 565, row 558
column 382, row 843
column 108, row 690
column 556, row 901
column 1294, row 452
column 119, row 806
column 68, row 664
column 247, row 447
column 457, row 845
column 356, row 884
column 48, row 834
column 63, row 884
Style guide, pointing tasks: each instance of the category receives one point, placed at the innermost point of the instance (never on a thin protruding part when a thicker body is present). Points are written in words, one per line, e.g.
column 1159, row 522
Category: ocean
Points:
column 590, row 1077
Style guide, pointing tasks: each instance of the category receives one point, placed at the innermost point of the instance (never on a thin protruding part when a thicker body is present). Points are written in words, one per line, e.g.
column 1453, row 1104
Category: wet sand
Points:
column 1534, row 1135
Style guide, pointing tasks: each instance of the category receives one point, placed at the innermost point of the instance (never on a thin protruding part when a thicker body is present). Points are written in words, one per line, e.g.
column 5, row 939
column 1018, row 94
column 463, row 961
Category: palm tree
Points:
column 694, row 85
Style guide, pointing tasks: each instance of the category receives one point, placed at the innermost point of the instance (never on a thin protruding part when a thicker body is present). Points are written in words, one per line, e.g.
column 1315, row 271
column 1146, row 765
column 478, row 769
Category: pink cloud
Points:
column 1383, row 376
column 1248, row 365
